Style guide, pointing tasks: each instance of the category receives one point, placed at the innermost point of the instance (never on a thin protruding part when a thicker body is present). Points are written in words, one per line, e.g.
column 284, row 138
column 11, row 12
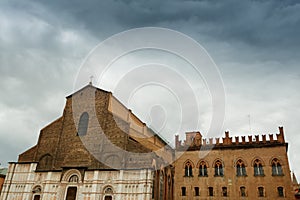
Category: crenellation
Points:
column 237, row 139
column 217, row 141
column 257, row 139
column 243, row 139
column 250, row 139
column 271, row 137
column 264, row 139
column 194, row 139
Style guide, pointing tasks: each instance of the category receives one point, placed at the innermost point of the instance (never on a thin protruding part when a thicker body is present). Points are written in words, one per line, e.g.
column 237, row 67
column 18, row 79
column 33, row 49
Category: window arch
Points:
column 83, row 124
column 276, row 168
column 202, row 168
column 71, row 175
column 240, row 168
column 45, row 162
column 108, row 190
column 219, row 171
column 258, row 168
column 188, row 168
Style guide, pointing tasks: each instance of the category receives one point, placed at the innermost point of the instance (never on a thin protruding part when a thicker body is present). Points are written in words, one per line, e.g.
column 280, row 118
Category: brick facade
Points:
column 240, row 178
column 97, row 149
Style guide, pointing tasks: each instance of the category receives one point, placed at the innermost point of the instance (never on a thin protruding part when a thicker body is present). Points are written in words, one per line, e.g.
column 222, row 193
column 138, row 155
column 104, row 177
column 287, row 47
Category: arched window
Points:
column 280, row 191
column 240, row 168
column 188, row 169
column 83, row 124
column 276, row 168
column 258, row 168
column 243, row 191
column 45, row 162
column 108, row 191
column 202, row 169
column 219, row 168
column 73, row 179
column 37, row 192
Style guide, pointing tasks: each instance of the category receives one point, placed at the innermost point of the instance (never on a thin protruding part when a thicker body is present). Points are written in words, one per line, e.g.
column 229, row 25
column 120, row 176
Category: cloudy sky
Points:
column 255, row 45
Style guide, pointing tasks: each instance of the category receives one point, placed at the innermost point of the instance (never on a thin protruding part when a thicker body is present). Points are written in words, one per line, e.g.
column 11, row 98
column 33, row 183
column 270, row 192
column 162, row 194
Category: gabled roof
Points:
column 87, row 86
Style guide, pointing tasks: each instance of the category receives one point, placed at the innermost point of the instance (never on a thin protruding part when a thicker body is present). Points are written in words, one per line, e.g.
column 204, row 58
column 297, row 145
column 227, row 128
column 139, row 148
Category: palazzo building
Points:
column 254, row 169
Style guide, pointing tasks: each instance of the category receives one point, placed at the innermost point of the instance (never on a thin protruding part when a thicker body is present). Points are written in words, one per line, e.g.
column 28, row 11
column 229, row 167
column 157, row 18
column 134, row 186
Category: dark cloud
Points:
column 254, row 43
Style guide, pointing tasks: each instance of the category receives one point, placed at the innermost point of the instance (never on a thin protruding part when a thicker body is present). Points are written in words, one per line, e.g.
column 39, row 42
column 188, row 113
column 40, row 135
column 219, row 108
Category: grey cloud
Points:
column 254, row 43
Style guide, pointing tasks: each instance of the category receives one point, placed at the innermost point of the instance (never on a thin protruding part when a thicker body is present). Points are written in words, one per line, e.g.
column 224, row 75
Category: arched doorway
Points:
column 37, row 192
column 108, row 193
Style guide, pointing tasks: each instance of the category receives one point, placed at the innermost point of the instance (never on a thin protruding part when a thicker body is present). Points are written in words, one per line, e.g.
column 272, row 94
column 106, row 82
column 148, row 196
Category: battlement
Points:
column 195, row 139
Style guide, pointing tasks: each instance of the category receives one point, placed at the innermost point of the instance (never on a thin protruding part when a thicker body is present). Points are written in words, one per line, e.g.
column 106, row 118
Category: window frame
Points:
column 241, row 168
column 203, row 172
column 183, row 191
column 258, row 168
column 261, row 191
column 276, row 167
column 210, row 191
column 197, row 191
column 219, row 168
column 83, row 124
column 280, row 191
column 188, row 169
column 243, row 193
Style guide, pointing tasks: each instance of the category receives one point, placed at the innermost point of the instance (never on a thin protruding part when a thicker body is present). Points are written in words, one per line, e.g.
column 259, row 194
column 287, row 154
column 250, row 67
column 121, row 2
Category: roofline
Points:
column 89, row 85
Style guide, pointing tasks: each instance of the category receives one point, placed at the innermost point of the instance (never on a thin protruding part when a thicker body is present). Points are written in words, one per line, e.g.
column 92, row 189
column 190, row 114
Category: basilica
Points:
column 99, row 150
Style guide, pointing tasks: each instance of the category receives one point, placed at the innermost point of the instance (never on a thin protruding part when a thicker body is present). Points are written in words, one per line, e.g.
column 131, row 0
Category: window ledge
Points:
column 242, row 175
column 261, row 175
column 277, row 174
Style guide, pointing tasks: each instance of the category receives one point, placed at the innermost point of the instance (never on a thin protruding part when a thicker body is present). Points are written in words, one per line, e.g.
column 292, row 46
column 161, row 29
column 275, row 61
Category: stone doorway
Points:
column 37, row 197
column 71, row 193
column 108, row 198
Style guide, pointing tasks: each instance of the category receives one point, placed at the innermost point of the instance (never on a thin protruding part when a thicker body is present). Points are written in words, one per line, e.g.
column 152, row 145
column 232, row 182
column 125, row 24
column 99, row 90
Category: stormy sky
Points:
column 255, row 45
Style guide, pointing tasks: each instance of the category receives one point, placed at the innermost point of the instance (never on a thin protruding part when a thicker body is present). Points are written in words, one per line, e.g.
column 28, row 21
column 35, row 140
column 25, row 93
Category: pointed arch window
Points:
column 219, row 171
column 83, row 124
column 202, row 169
column 188, row 169
column 276, row 168
column 258, row 168
column 240, row 168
